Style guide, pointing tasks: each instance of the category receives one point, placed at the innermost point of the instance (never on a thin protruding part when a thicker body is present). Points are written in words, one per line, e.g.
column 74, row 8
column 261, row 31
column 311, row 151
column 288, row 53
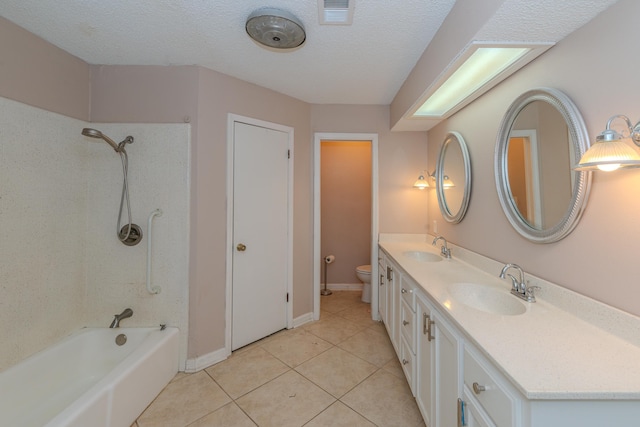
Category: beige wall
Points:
column 345, row 200
column 205, row 98
column 599, row 258
column 37, row 73
column 402, row 156
column 219, row 95
column 465, row 19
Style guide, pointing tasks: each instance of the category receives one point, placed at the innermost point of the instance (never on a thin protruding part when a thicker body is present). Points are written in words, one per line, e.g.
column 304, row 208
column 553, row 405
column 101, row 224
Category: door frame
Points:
column 231, row 120
column 355, row 137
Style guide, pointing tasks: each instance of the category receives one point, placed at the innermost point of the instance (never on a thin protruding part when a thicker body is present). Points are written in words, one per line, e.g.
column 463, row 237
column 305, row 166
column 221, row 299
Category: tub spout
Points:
column 118, row 317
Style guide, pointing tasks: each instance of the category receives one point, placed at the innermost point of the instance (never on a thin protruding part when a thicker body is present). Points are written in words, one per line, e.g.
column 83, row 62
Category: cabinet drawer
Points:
column 407, row 359
column 489, row 389
column 408, row 325
column 408, row 291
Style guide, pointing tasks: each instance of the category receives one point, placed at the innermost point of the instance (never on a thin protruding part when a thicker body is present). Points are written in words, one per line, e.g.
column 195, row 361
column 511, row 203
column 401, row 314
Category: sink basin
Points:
column 423, row 256
column 487, row 299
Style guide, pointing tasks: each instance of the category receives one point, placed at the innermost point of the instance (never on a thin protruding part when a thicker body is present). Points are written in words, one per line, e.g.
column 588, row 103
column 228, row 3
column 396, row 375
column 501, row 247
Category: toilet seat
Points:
column 364, row 269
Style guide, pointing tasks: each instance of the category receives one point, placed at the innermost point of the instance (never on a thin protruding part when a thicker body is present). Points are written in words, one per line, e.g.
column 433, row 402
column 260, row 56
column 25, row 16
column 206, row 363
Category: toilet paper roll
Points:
column 329, row 259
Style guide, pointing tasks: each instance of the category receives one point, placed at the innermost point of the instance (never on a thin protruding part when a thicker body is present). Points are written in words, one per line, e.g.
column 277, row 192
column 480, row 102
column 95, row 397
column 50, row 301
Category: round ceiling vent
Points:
column 275, row 28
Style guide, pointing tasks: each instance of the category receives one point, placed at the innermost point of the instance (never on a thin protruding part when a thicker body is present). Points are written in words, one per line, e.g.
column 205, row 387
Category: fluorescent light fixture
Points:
column 480, row 67
column 335, row 12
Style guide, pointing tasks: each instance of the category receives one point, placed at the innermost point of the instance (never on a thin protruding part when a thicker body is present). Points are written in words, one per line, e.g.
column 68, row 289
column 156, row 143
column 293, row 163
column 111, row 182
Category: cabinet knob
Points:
column 241, row 247
column 405, row 362
column 403, row 290
column 477, row 388
column 405, row 322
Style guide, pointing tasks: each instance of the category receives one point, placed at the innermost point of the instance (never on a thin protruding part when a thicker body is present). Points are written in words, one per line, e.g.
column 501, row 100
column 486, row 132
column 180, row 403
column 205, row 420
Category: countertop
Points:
column 547, row 352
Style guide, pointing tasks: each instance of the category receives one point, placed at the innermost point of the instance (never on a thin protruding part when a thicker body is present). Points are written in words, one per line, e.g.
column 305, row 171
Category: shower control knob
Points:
column 241, row 247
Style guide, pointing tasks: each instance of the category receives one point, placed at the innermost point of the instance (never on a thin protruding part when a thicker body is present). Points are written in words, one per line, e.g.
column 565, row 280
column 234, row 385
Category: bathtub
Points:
column 88, row 380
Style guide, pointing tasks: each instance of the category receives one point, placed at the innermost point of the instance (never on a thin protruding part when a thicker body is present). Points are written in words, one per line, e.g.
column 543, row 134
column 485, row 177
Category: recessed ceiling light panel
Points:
column 479, row 68
column 275, row 28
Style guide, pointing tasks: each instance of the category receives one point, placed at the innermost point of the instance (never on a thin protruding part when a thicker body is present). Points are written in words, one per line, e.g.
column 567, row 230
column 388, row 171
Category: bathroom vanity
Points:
column 475, row 355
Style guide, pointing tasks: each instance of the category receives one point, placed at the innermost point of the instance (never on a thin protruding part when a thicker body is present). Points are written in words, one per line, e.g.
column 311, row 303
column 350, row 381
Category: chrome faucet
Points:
column 444, row 250
column 118, row 317
column 518, row 286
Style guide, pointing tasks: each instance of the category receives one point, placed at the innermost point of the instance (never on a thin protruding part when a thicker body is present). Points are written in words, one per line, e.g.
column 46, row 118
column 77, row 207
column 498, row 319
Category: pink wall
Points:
column 205, row 97
column 465, row 19
column 599, row 258
column 345, row 200
column 219, row 95
column 37, row 73
column 401, row 158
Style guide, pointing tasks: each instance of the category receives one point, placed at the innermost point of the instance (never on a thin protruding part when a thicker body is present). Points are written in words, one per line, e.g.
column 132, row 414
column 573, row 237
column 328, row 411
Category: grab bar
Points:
column 155, row 289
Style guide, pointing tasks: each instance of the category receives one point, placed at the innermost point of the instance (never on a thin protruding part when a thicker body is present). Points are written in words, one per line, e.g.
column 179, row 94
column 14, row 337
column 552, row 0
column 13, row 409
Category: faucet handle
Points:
column 530, row 293
column 514, row 283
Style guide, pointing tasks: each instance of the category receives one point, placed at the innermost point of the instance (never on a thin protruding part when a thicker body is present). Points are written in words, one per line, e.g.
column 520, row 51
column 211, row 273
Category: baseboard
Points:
column 204, row 361
column 301, row 320
column 344, row 286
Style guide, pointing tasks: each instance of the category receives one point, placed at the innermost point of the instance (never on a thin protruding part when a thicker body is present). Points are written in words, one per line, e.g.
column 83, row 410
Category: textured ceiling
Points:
column 364, row 63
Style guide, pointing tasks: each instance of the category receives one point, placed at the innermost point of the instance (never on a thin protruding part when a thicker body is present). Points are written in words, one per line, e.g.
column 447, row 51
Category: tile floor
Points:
column 339, row 371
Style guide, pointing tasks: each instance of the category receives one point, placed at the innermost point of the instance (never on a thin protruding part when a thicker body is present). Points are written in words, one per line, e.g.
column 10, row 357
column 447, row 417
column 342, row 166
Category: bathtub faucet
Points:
column 118, row 317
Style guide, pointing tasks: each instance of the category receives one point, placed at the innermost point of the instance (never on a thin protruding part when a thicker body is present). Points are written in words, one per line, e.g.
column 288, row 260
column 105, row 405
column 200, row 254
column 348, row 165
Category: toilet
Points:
column 364, row 274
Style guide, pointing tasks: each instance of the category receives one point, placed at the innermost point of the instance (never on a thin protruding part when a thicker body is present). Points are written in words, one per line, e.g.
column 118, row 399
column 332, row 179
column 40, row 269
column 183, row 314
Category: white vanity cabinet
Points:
column 452, row 353
column 488, row 397
column 438, row 383
column 408, row 327
column 393, row 276
column 382, row 288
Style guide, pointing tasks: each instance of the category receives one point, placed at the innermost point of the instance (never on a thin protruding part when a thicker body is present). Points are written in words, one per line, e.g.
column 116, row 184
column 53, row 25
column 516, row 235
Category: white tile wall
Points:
column 158, row 179
column 61, row 265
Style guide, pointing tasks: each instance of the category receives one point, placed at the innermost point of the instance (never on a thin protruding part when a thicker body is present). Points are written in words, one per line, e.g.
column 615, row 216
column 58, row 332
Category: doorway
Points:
column 319, row 138
column 259, row 215
column 524, row 175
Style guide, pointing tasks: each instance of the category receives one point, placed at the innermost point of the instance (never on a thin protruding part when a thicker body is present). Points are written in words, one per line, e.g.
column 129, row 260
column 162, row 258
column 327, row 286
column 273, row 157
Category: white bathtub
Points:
column 88, row 380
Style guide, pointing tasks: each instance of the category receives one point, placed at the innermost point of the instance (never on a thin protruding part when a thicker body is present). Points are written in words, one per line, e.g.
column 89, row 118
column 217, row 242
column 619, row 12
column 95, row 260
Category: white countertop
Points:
column 547, row 352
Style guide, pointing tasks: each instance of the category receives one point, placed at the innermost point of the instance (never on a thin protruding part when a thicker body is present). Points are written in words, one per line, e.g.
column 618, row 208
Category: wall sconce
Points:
column 447, row 183
column 610, row 151
column 423, row 183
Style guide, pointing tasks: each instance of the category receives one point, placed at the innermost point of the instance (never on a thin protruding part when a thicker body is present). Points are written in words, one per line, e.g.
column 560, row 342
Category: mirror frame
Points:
column 579, row 144
column 450, row 138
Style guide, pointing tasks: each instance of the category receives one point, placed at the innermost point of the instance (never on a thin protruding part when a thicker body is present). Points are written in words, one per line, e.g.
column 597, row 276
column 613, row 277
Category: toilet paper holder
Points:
column 327, row 260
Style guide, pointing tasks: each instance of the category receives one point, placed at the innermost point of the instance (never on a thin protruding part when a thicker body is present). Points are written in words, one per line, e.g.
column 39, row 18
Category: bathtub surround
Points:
column 63, row 268
column 44, row 165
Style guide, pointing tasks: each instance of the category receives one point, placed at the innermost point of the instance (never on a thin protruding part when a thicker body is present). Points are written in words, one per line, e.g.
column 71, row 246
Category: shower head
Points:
column 93, row 133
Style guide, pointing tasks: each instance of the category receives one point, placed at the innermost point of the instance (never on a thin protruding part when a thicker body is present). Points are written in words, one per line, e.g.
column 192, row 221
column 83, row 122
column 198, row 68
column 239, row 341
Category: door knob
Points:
column 241, row 247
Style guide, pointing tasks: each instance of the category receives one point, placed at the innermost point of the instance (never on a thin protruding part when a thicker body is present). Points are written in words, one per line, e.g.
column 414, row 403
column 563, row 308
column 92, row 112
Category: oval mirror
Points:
column 453, row 178
column 541, row 137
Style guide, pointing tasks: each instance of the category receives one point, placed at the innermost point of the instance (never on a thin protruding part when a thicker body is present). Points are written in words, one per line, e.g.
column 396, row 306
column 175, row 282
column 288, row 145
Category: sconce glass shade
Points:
column 447, row 183
column 421, row 183
column 611, row 150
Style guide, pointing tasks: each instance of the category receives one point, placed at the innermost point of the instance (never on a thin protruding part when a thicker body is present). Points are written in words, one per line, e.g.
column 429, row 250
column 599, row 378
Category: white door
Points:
column 260, row 233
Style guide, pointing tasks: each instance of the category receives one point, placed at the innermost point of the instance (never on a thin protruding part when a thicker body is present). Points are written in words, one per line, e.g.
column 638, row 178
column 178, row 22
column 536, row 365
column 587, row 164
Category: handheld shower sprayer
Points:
column 93, row 133
column 130, row 234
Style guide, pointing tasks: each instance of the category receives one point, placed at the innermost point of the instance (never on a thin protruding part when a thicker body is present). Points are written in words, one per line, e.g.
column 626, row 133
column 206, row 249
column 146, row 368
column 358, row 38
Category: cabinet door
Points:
column 473, row 415
column 425, row 352
column 393, row 305
column 382, row 291
column 447, row 372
